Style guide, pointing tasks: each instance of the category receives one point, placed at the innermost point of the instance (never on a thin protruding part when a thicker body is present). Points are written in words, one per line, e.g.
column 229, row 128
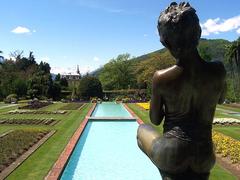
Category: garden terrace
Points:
column 36, row 112
column 72, row 106
column 46, row 121
column 15, row 143
column 40, row 162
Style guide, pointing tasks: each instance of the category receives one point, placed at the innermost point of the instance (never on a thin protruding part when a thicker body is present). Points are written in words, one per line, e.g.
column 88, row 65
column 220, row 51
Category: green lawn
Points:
column 2, row 104
column 41, row 161
column 217, row 173
column 232, row 131
column 53, row 107
column 229, row 108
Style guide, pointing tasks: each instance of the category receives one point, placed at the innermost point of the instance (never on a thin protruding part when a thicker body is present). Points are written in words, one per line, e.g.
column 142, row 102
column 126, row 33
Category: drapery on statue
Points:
column 185, row 96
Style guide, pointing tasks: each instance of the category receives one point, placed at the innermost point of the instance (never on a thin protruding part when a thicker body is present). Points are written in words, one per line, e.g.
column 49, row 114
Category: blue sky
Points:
column 91, row 32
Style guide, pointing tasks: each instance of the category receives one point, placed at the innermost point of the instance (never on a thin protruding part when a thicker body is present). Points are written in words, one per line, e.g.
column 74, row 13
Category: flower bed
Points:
column 226, row 121
column 44, row 121
column 71, row 106
column 15, row 143
column 36, row 112
column 35, row 105
column 227, row 147
column 146, row 106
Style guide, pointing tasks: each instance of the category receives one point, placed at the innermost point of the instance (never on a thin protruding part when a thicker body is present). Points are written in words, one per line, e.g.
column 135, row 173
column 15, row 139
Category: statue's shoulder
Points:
column 166, row 75
column 217, row 68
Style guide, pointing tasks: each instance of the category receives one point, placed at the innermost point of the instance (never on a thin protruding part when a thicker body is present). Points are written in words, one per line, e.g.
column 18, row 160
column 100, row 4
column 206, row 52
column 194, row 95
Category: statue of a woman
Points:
column 185, row 96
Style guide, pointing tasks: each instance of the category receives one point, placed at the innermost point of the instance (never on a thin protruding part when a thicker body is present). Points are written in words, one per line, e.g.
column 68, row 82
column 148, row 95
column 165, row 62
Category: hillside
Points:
column 209, row 49
column 215, row 48
column 141, row 69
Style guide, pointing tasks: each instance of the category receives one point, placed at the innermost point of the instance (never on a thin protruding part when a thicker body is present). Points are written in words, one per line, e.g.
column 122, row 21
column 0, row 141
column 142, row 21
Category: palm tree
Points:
column 233, row 58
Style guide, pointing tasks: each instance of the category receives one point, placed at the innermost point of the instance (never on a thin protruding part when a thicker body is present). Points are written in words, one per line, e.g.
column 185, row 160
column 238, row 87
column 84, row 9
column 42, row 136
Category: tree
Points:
column 118, row 73
column 45, row 67
column 145, row 69
column 54, row 91
column 205, row 53
column 90, row 87
column 58, row 77
column 16, row 54
column 20, row 87
column 63, row 82
column 1, row 57
column 233, row 60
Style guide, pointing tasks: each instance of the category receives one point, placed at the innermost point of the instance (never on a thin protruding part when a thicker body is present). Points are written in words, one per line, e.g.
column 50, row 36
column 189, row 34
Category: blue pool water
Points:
column 110, row 109
column 107, row 150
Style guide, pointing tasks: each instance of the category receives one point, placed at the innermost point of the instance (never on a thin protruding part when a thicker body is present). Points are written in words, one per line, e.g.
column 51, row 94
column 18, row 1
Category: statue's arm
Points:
column 222, row 71
column 223, row 94
column 156, row 104
column 146, row 134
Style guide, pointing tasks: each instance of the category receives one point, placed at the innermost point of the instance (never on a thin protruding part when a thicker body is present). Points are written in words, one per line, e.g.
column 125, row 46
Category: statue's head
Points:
column 179, row 28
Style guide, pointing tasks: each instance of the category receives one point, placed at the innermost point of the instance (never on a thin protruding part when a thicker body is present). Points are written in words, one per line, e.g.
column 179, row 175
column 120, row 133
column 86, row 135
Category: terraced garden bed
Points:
column 16, row 143
column 72, row 106
column 43, row 121
column 36, row 105
column 36, row 112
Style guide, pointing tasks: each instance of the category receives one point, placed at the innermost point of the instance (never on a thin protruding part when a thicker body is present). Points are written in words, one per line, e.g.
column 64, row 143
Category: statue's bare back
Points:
column 185, row 96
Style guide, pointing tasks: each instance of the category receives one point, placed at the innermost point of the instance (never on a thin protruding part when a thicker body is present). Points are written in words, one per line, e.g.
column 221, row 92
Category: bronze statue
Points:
column 185, row 96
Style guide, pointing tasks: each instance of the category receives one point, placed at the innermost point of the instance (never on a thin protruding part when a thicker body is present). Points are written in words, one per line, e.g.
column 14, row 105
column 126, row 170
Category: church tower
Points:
column 78, row 72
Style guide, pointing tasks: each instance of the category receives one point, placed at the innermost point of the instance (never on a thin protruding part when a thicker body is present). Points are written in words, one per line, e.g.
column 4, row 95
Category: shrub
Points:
column 12, row 98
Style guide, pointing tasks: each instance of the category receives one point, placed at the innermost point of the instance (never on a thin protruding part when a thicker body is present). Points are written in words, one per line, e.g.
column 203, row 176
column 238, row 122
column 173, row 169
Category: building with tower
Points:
column 72, row 76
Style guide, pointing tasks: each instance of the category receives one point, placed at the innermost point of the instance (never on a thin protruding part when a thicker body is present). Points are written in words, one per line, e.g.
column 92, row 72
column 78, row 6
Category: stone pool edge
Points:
column 139, row 120
column 62, row 160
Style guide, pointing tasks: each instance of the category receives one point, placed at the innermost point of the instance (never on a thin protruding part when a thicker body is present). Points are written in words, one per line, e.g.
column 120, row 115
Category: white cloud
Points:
column 21, row 30
column 216, row 26
column 96, row 59
column 238, row 31
column 34, row 31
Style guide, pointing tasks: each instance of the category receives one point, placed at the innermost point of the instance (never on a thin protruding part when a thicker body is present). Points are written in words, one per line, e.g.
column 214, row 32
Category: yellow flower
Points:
column 144, row 105
column 227, row 146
